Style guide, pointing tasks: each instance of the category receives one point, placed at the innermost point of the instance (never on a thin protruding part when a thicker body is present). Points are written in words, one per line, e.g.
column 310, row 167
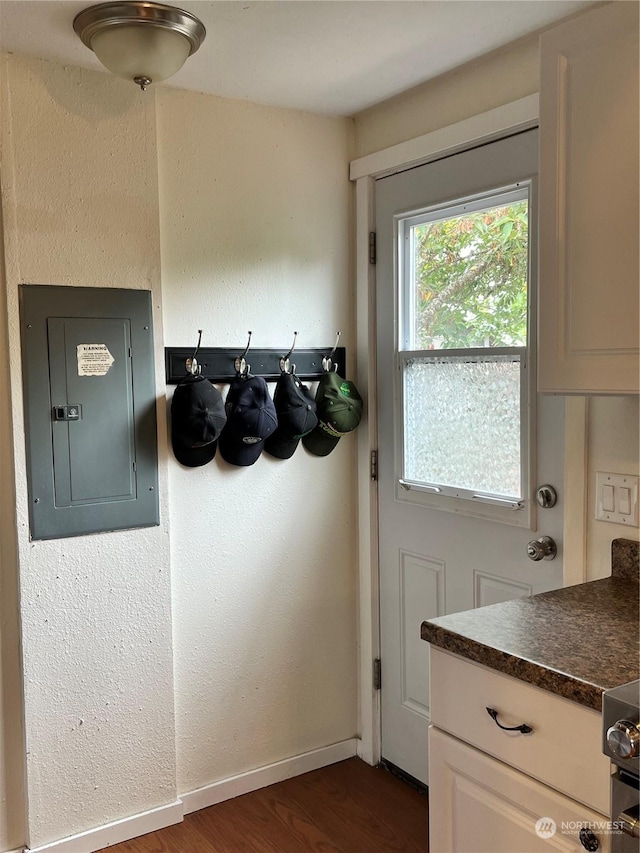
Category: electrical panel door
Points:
column 89, row 409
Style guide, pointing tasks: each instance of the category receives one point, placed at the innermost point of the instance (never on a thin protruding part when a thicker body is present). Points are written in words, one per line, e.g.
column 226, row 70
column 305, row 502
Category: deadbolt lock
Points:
column 546, row 496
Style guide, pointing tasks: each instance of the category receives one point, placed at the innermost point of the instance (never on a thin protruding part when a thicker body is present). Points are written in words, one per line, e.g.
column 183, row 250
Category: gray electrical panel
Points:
column 90, row 409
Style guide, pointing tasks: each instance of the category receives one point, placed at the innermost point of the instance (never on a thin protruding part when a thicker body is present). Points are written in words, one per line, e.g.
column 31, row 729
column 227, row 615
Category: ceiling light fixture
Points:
column 140, row 41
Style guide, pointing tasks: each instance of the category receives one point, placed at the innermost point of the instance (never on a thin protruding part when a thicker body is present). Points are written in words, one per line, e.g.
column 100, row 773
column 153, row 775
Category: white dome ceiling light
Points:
column 140, row 41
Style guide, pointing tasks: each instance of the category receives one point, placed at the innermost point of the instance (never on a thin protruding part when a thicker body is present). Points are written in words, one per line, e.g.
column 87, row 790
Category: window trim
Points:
column 523, row 514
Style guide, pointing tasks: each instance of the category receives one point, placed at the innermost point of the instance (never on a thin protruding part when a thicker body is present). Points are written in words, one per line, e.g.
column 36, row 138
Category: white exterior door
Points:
column 464, row 441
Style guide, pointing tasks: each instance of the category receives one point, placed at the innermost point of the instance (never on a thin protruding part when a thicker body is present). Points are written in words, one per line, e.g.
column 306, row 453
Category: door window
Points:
column 463, row 274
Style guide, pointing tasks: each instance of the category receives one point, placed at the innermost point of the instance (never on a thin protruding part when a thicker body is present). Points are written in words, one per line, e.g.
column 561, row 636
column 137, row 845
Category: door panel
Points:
column 436, row 560
column 421, row 591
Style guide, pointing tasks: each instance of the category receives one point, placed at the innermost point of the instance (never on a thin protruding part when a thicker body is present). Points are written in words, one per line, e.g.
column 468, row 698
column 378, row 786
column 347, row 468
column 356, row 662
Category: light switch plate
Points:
column 619, row 491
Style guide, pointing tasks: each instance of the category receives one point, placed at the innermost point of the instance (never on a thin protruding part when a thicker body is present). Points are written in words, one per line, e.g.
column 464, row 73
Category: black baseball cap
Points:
column 339, row 407
column 296, row 410
column 197, row 419
column 251, row 418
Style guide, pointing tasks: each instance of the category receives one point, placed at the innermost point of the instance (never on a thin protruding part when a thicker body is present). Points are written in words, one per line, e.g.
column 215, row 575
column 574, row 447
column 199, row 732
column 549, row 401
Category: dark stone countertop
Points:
column 575, row 642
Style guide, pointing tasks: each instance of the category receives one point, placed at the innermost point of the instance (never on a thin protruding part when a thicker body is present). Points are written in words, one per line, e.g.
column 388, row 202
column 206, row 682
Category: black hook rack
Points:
column 217, row 364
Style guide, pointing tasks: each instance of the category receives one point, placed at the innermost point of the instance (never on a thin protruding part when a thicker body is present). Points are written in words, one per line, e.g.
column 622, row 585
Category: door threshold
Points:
column 420, row 787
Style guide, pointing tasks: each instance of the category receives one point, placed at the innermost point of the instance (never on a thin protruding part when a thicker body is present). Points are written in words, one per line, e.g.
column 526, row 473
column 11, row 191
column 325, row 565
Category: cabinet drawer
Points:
column 563, row 750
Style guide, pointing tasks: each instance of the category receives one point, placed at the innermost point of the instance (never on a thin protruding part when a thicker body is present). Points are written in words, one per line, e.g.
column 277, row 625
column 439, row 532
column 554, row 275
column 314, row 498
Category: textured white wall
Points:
column 256, row 230
column 12, row 816
column 79, row 193
column 256, row 226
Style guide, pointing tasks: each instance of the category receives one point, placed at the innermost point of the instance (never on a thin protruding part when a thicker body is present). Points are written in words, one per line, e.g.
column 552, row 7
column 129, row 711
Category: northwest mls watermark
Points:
column 546, row 827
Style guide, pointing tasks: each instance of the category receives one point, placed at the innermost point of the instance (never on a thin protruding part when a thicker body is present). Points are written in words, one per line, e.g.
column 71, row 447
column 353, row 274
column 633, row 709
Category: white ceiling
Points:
column 328, row 56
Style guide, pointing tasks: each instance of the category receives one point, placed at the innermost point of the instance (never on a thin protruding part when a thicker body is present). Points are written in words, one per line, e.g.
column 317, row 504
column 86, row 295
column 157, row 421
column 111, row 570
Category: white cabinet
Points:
column 489, row 787
column 479, row 805
column 589, row 337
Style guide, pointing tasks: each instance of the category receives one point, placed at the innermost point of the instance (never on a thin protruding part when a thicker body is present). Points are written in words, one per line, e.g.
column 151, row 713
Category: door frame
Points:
column 484, row 127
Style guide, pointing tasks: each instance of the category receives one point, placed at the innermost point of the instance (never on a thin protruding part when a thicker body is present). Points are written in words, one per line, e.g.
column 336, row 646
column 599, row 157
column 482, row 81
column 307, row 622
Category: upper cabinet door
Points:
column 589, row 336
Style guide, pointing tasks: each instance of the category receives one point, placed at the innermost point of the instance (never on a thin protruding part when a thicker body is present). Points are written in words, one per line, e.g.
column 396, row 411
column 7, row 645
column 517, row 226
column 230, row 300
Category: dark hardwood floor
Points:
column 348, row 807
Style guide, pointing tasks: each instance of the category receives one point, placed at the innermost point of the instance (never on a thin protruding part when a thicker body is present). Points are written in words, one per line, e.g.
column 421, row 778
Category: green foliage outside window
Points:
column 471, row 279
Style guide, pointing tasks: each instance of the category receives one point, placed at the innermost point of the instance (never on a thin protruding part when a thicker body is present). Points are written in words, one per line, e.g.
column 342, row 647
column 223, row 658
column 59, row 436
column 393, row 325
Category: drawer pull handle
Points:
column 523, row 728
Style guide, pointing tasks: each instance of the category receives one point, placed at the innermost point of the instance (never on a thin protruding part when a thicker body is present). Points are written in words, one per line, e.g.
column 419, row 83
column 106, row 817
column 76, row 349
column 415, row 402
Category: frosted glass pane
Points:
column 462, row 423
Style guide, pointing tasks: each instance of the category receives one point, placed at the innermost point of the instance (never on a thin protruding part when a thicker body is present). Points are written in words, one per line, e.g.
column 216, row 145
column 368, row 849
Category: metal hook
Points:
column 284, row 361
column 241, row 366
column 327, row 363
column 191, row 363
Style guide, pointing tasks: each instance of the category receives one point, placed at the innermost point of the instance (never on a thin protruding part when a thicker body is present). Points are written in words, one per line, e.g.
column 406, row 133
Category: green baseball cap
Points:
column 339, row 412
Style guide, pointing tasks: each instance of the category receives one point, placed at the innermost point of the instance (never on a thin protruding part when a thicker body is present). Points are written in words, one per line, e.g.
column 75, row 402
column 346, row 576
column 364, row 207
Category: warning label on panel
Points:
column 94, row 359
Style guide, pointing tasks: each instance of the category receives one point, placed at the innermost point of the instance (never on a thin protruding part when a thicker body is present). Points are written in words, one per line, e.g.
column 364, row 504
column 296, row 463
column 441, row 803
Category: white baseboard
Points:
column 114, row 833
column 234, row 786
column 226, row 789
